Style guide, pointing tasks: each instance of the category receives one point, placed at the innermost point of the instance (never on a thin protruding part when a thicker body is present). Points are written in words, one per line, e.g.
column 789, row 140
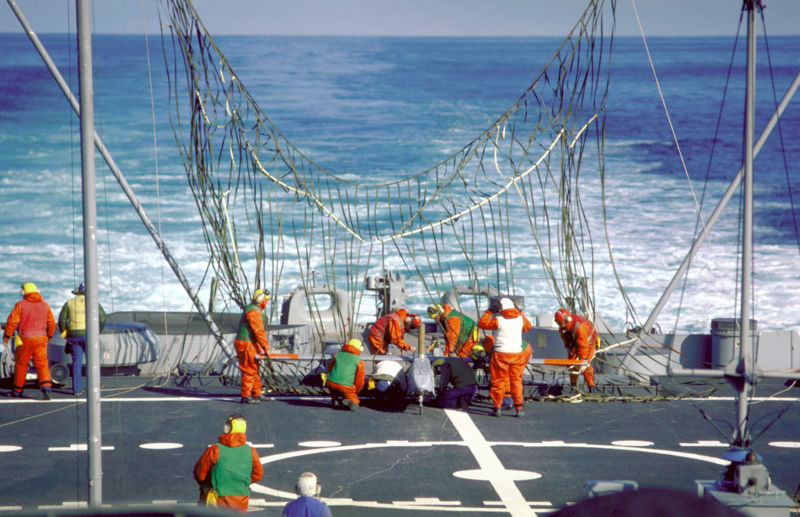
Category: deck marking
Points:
column 73, row 447
column 632, row 443
column 483, row 475
column 10, row 448
column 704, row 443
column 489, row 506
column 788, row 445
column 261, row 445
column 160, row 445
column 319, row 443
column 501, row 479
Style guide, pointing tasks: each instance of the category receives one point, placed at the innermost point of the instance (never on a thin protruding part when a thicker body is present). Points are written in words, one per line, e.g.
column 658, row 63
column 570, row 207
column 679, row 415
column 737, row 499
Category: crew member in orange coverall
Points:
column 345, row 376
column 460, row 331
column 33, row 320
column 226, row 469
column 251, row 341
column 510, row 353
column 390, row 329
column 580, row 339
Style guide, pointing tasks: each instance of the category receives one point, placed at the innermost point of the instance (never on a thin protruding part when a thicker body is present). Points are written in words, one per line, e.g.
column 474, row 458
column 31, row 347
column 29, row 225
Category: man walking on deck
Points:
column 33, row 320
column 510, row 353
column 226, row 469
column 390, row 329
column 460, row 331
column 72, row 325
column 345, row 376
column 250, row 343
column 580, row 339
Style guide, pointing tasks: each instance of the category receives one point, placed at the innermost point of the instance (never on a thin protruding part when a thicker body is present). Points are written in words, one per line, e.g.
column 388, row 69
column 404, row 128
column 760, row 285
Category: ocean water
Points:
column 386, row 108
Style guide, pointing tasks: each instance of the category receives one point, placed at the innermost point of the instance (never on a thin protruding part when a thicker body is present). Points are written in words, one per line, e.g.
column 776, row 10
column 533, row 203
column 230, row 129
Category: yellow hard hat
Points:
column 434, row 311
column 28, row 287
column 259, row 295
column 236, row 423
column 478, row 351
column 355, row 343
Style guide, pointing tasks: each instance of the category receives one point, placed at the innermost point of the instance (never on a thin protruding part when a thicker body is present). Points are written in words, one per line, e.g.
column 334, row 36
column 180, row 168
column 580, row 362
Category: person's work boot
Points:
column 262, row 397
column 15, row 394
column 45, row 394
column 495, row 412
column 349, row 405
column 249, row 400
column 519, row 413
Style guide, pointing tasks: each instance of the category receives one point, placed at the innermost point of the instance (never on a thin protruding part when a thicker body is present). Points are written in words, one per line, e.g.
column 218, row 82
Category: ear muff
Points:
column 235, row 424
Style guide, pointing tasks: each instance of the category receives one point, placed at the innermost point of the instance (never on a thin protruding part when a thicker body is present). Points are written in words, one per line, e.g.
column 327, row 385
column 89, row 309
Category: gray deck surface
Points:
column 374, row 462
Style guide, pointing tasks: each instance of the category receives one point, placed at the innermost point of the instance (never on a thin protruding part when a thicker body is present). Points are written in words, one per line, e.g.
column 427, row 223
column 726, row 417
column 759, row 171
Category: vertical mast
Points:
column 94, row 433
column 745, row 365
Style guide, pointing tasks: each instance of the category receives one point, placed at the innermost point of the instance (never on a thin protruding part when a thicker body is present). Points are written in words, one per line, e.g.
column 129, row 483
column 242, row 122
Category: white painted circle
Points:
column 319, row 443
column 161, row 445
column 10, row 448
column 786, row 445
column 485, row 475
column 631, row 443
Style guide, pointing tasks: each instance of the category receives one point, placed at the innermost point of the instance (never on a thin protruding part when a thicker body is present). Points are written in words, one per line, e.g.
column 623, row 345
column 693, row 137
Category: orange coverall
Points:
column 580, row 340
column 508, row 358
column 36, row 326
column 202, row 472
column 246, row 350
column 389, row 329
column 452, row 328
column 348, row 392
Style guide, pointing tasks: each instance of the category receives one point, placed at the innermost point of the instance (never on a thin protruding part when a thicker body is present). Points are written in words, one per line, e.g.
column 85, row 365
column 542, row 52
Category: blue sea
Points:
column 380, row 108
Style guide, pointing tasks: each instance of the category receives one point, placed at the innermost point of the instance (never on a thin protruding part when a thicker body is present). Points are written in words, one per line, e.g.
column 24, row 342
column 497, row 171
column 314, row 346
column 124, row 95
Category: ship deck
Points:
column 375, row 462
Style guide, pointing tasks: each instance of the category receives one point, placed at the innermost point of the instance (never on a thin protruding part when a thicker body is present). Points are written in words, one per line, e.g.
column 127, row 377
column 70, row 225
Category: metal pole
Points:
column 90, row 254
column 121, row 179
column 745, row 366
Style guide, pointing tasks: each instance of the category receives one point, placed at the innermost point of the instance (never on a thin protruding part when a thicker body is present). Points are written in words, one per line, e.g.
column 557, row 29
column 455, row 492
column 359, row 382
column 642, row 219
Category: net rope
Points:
column 271, row 216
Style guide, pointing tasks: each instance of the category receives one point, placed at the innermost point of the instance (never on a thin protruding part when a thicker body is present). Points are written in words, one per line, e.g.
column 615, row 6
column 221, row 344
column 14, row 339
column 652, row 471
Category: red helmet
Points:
column 562, row 317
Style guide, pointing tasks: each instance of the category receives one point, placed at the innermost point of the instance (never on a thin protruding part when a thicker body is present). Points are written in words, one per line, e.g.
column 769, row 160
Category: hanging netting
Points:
column 272, row 216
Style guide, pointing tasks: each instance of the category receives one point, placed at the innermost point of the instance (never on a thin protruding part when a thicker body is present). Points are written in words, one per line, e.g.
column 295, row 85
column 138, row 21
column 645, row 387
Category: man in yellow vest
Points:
column 72, row 325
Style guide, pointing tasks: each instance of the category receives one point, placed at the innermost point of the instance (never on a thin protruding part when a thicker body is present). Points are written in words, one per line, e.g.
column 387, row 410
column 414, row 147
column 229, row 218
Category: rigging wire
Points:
column 666, row 111
column 780, row 132
column 155, row 158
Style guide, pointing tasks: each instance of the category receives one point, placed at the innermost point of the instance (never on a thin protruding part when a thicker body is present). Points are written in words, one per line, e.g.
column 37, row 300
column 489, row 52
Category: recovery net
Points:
column 271, row 216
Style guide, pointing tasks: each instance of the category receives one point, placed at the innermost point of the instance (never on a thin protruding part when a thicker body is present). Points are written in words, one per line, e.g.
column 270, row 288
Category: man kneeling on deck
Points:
column 455, row 371
column 345, row 376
